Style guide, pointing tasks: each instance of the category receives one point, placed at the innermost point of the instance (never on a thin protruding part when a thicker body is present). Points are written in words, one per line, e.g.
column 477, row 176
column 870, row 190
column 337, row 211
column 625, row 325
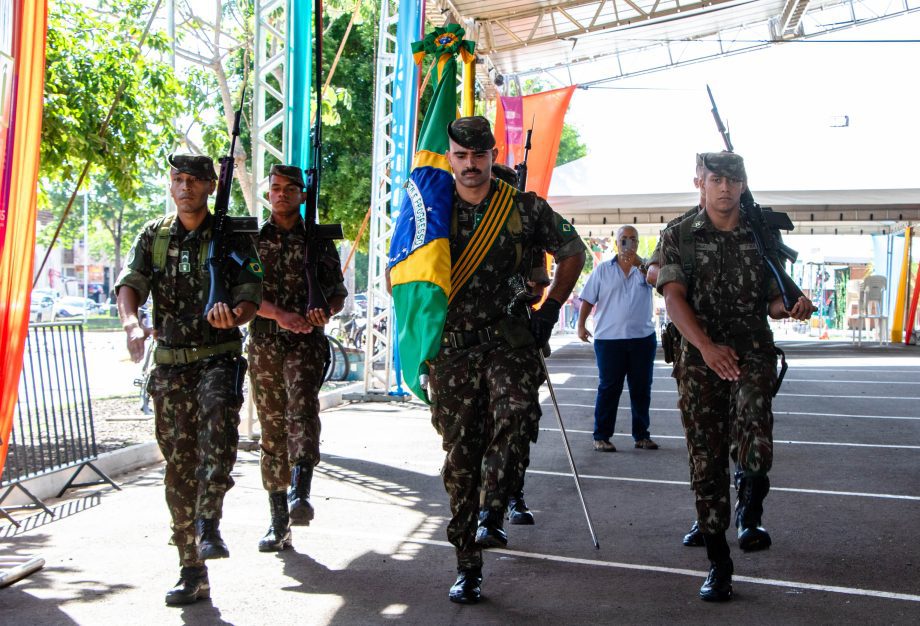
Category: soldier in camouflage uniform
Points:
column 196, row 385
column 537, row 282
column 288, row 353
column 726, row 367
column 484, row 383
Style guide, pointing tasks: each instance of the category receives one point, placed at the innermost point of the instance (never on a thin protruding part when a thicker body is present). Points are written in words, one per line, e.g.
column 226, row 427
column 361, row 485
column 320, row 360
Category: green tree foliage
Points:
column 348, row 143
column 90, row 56
column 570, row 146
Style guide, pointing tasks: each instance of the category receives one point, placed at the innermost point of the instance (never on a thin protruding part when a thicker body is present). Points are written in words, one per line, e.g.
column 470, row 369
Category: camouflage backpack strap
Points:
column 686, row 246
column 158, row 257
column 161, row 242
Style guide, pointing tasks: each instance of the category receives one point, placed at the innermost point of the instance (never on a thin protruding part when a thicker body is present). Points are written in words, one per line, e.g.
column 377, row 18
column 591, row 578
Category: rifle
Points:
column 521, row 168
column 219, row 252
column 765, row 226
column 315, row 233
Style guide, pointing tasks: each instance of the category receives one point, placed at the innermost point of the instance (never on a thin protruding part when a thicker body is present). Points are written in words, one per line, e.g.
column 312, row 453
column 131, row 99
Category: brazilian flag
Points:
column 419, row 249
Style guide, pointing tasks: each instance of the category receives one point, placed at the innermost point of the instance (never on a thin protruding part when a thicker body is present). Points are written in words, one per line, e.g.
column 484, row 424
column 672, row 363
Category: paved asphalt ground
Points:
column 843, row 512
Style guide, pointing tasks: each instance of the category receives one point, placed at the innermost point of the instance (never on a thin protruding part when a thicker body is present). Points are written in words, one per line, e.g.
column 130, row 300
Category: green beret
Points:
column 473, row 133
column 288, row 171
column 196, row 165
column 723, row 163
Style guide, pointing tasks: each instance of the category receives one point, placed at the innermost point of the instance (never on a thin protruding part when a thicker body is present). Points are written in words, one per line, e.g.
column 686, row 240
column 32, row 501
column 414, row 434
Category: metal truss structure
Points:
column 270, row 96
column 378, row 357
column 590, row 41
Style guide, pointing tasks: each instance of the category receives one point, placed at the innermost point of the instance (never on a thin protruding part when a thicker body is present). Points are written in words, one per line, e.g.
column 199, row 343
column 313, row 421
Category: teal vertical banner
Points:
column 405, row 97
column 299, row 66
column 405, row 114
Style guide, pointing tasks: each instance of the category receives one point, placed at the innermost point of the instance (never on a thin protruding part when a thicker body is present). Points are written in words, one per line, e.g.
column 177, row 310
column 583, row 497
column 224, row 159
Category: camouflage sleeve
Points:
column 329, row 271
column 655, row 257
column 671, row 268
column 554, row 233
column 247, row 285
column 138, row 270
column 772, row 287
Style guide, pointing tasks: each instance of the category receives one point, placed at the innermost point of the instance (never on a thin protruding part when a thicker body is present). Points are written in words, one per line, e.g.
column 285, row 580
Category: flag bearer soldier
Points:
column 484, row 382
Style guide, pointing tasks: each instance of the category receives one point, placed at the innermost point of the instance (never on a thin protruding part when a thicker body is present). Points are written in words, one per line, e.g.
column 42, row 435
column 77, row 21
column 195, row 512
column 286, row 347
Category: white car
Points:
column 41, row 307
column 74, row 306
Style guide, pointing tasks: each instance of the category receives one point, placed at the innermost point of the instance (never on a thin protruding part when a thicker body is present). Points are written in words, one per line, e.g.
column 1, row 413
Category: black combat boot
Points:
column 193, row 585
column 278, row 537
column 518, row 513
column 718, row 584
column 466, row 589
column 210, row 544
column 299, row 507
column 490, row 533
column 751, row 492
column 694, row 538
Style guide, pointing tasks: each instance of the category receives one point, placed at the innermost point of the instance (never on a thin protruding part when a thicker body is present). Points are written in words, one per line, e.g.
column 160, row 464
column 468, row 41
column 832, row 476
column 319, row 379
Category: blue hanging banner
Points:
column 299, row 64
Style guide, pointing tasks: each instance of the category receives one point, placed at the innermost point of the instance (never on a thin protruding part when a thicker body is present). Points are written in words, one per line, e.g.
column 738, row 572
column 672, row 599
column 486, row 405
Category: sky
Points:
column 779, row 104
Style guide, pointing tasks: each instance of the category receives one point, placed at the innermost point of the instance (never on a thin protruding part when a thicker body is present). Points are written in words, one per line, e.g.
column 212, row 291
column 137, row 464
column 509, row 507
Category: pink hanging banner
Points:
column 513, row 107
column 8, row 81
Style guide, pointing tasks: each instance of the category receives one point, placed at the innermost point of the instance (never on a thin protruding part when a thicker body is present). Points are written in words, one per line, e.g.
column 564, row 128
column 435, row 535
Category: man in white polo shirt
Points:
column 624, row 340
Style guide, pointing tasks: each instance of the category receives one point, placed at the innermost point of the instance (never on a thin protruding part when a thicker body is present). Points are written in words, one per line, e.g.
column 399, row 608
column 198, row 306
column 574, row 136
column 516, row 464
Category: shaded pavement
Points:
column 843, row 513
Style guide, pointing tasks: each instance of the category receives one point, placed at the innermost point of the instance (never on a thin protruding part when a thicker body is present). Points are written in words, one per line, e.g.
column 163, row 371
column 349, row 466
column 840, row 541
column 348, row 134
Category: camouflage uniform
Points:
column 655, row 257
column 286, row 369
column 729, row 295
column 197, row 403
column 484, row 394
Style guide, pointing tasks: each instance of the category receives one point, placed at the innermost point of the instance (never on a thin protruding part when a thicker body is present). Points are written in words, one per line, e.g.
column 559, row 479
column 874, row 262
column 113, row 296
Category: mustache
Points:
column 470, row 171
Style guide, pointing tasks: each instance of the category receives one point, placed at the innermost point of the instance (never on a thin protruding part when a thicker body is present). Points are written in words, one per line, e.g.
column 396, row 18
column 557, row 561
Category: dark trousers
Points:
column 619, row 359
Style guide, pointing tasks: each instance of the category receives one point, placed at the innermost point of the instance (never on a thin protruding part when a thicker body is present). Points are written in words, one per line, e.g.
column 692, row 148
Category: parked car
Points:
column 74, row 306
column 41, row 307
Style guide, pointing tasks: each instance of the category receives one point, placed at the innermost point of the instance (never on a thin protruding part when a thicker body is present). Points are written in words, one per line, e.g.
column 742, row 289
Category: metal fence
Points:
column 53, row 419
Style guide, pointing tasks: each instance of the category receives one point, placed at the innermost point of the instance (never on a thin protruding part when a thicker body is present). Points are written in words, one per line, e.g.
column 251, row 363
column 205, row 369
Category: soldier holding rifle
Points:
column 288, row 353
column 196, row 385
column 718, row 292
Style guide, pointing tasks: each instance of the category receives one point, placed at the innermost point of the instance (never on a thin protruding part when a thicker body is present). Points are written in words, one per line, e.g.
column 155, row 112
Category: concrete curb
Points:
column 119, row 462
column 112, row 464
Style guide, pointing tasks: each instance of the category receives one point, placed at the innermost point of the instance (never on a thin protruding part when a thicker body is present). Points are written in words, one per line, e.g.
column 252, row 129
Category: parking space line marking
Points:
column 871, row 417
column 792, row 442
column 771, row 582
column 784, row 394
column 823, row 492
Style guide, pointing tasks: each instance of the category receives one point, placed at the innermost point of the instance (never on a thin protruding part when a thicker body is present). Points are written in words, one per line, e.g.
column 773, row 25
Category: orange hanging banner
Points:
column 20, row 159
column 545, row 113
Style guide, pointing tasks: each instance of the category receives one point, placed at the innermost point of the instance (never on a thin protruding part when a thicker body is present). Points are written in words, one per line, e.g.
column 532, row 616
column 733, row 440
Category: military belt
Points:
column 471, row 338
column 265, row 325
column 183, row 356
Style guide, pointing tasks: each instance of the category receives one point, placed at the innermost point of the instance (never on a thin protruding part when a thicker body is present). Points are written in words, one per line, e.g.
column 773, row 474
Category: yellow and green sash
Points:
column 484, row 236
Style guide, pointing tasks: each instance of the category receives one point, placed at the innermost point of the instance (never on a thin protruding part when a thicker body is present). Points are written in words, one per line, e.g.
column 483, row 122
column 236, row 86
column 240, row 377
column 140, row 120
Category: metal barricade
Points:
column 53, row 420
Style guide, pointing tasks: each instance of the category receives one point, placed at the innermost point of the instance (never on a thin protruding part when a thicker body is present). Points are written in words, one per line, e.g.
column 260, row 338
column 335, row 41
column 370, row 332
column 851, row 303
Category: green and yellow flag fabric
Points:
column 419, row 252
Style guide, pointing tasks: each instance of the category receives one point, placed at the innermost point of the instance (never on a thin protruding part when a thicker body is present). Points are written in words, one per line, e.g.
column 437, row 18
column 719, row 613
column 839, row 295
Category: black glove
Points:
column 543, row 321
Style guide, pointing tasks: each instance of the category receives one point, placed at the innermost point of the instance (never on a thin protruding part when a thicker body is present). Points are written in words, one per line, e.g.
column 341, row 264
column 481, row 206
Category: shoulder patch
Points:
column 565, row 227
column 254, row 268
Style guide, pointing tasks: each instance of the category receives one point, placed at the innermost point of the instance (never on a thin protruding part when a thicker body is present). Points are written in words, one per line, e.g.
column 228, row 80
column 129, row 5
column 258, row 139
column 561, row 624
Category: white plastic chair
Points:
column 871, row 299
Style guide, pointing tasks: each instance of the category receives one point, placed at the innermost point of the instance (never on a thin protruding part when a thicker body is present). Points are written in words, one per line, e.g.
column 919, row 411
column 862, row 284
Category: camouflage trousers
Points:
column 197, row 409
column 724, row 419
column 485, row 405
column 285, row 374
